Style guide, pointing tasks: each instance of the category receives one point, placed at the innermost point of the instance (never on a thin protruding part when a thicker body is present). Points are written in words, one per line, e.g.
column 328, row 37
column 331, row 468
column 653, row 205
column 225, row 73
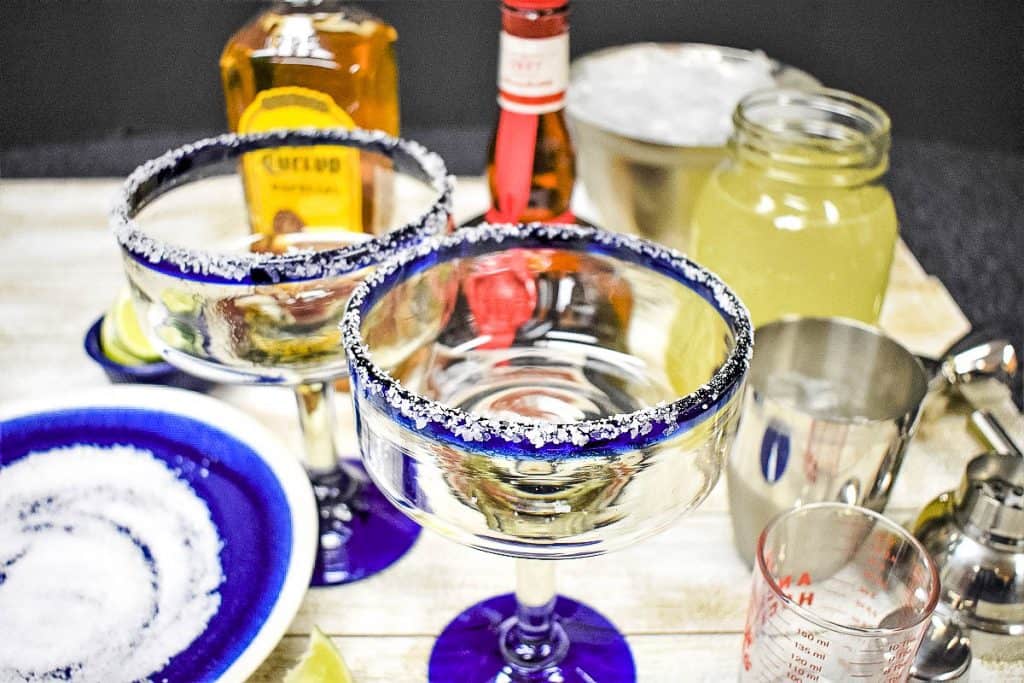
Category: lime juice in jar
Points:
column 797, row 220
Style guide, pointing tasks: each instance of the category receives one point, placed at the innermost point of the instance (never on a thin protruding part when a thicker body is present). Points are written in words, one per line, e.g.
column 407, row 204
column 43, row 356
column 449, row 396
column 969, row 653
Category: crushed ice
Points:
column 692, row 105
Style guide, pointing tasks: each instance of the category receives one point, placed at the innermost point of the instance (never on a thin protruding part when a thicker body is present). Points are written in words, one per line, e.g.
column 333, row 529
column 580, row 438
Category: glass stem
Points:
column 535, row 599
column 534, row 640
column 316, row 418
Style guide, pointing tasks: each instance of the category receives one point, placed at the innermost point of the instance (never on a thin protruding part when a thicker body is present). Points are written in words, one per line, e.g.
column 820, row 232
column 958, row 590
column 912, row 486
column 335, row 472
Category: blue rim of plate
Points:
column 159, row 372
column 144, row 371
column 259, row 497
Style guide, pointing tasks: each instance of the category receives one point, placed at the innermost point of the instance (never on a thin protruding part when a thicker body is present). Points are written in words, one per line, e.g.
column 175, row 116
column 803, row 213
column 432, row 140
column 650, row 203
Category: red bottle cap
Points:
column 536, row 4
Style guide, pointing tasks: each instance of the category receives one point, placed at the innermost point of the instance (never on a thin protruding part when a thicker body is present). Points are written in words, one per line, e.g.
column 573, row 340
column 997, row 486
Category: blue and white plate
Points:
column 259, row 498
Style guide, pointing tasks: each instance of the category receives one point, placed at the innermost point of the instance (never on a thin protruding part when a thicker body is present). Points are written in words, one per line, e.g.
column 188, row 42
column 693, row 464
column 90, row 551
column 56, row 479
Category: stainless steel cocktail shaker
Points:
column 829, row 410
column 976, row 536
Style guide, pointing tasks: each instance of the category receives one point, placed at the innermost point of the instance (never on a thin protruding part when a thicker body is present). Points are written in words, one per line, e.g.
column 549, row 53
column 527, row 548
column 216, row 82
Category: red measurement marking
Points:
column 867, row 608
column 786, row 581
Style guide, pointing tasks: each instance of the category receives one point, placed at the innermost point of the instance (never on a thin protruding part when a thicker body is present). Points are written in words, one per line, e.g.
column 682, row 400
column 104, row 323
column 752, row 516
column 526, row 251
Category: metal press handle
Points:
column 988, row 429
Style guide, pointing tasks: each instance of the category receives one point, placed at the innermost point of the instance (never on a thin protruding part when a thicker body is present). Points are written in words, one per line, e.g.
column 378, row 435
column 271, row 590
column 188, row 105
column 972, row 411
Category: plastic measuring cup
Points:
column 840, row 593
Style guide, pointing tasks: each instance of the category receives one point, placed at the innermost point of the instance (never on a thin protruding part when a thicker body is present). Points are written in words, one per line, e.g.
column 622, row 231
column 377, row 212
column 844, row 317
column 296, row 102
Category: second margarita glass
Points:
column 543, row 392
column 224, row 303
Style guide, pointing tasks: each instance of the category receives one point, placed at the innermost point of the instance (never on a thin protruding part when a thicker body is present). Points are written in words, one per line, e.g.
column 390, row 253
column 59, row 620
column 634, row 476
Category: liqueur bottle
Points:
column 531, row 170
column 531, row 174
column 310, row 63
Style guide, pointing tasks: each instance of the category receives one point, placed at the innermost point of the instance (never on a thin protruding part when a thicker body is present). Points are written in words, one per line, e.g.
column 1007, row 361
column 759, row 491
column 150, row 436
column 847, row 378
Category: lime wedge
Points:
column 321, row 663
column 129, row 333
column 112, row 347
column 178, row 302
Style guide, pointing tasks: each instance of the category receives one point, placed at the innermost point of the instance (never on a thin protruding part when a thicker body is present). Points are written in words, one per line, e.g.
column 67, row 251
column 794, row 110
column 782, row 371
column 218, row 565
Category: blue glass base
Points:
column 361, row 532
column 467, row 651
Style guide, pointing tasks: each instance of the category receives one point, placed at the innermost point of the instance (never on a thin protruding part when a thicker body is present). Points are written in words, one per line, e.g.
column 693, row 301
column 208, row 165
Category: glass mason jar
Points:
column 797, row 220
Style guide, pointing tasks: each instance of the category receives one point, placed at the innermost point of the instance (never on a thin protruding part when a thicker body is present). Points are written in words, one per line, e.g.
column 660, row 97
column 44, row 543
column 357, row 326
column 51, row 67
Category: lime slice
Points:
column 129, row 333
column 178, row 302
column 321, row 663
column 112, row 347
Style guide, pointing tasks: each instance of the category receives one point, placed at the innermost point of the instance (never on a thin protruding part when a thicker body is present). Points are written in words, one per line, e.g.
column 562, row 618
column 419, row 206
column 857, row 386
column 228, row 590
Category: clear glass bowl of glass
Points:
column 544, row 392
column 230, row 305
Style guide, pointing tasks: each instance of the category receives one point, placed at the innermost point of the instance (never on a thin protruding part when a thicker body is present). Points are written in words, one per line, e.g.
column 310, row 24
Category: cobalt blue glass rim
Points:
column 612, row 434
column 151, row 179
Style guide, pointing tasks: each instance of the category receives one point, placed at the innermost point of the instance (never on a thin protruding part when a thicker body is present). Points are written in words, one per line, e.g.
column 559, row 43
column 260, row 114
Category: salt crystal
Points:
column 278, row 268
column 471, row 427
column 109, row 565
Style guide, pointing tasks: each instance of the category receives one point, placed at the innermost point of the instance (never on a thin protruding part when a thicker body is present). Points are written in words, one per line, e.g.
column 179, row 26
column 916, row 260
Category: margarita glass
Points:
column 543, row 392
column 225, row 304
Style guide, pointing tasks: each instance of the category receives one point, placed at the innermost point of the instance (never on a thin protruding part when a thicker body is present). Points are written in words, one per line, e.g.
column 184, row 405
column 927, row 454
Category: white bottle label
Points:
column 533, row 73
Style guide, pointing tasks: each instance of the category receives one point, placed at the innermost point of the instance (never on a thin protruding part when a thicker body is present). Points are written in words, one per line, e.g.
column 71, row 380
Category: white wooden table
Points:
column 679, row 597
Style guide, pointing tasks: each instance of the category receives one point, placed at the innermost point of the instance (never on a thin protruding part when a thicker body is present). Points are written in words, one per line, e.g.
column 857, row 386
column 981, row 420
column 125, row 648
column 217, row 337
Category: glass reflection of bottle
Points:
column 516, row 301
column 311, row 64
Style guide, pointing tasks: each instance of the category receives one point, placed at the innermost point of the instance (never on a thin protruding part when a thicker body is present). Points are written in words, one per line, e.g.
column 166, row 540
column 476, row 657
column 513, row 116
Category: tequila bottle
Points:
column 319, row 64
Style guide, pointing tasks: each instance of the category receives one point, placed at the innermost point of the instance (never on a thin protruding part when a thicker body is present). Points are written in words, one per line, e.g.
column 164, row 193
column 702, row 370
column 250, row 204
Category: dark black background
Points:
column 76, row 70
column 94, row 87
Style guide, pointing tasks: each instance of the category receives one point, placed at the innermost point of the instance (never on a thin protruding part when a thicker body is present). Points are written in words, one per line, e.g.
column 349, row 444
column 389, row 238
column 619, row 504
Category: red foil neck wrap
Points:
column 529, row 5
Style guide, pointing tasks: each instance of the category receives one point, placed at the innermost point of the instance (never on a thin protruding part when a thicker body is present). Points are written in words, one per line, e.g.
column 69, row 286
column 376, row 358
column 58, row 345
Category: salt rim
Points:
column 273, row 268
column 538, row 435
